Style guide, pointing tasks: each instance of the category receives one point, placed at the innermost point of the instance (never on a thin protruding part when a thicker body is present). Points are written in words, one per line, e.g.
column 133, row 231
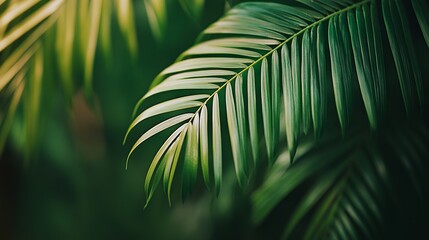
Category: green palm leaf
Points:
column 193, row 7
column 350, row 185
column 76, row 28
column 26, row 26
column 405, row 57
column 421, row 8
column 287, row 46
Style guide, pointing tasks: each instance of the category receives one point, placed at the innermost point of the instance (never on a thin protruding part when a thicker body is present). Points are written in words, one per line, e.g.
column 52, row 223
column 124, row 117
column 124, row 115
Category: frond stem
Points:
column 355, row 5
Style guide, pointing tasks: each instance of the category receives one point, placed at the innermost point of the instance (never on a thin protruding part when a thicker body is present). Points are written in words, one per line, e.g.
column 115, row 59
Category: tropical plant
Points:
column 352, row 186
column 28, row 28
column 277, row 74
column 319, row 104
column 76, row 29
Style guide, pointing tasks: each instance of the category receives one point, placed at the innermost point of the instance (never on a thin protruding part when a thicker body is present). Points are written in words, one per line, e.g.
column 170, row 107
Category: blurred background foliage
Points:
column 64, row 112
column 72, row 183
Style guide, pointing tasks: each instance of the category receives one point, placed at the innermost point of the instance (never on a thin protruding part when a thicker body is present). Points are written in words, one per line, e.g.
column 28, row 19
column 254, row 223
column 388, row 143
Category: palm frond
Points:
column 24, row 27
column 350, row 186
column 398, row 31
column 193, row 7
column 421, row 8
column 156, row 11
column 79, row 28
column 15, row 94
column 283, row 54
column 125, row 14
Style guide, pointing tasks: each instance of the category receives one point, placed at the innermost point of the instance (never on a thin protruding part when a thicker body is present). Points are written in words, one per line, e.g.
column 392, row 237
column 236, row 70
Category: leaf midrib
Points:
column 355, row 5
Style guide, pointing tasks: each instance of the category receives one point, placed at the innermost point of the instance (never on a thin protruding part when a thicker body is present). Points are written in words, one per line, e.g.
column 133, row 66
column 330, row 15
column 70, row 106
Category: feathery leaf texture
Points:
column 350, row 190
column 285, row 57
column 27, row 26
column 77, row 28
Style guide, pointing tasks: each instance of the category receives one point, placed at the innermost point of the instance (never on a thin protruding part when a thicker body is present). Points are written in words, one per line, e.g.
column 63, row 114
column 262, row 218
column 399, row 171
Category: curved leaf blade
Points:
column 235, row 137
column 217, row 145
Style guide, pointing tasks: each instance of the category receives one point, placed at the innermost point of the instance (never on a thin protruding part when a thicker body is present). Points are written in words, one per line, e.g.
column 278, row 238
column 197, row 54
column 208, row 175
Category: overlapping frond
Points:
column 350, row 185
column 262, row 59
column 22, row 24
column 78, row 27
column 25, row 27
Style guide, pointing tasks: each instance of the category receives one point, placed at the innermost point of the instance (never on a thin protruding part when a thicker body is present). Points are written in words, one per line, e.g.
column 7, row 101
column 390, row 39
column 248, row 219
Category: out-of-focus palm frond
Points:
column 22, row 25
column 421, row 8
column 349, row 185
column 193, row 7
column 77, row 25
column 156, row 11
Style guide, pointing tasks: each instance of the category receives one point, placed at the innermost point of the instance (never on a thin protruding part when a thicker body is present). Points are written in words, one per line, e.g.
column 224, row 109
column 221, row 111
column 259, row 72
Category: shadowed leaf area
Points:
column 284, row 75
column 280, row 119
